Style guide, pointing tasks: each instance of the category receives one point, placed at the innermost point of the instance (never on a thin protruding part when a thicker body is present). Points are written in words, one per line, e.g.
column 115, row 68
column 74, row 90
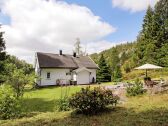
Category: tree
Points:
column 146, row 47
column 2, row 56
column 163, row 55
column 123, row 57
column 18, row 73
column 2, row 46
column 9, row 104
column 78, row 48
column 114, row 58
column 127, row 68
column 161, row 37
column 115, row 65
column 116, row 76
column 150, row 47
column 18, row 81
column 18, row 64
column 103, row 74
column 153, row 39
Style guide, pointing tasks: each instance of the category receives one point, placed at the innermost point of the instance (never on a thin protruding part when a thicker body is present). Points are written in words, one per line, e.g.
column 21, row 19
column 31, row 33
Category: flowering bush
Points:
column 93, row 101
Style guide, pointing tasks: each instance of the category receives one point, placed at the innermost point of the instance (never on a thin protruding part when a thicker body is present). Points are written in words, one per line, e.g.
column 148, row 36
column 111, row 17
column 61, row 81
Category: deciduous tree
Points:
column 2, row 56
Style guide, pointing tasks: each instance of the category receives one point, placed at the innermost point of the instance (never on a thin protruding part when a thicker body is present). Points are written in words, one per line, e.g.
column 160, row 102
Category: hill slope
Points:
column 150, row 47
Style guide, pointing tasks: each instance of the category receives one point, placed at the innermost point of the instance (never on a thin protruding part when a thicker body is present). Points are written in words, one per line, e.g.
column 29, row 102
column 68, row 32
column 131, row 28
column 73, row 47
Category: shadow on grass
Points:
column 38, row 105
column 116, row 117
column 28, row 89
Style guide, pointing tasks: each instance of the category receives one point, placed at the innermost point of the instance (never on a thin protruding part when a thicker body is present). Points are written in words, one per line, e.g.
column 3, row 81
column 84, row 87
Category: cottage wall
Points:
column 37, row 70
column 93, row 75
column 83, row 77
column 55, row 74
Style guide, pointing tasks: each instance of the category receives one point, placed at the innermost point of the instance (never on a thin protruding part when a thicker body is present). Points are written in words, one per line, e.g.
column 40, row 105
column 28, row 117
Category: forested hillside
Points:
column 151, row 45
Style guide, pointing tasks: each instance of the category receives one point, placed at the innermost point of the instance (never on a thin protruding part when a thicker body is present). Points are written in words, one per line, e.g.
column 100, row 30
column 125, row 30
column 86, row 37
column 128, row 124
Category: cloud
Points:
column 133, row 5
column 47, row 26
column 101, row 46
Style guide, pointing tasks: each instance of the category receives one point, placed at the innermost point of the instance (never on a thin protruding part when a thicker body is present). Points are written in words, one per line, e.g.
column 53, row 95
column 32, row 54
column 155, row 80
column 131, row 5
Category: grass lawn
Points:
column 39, row 106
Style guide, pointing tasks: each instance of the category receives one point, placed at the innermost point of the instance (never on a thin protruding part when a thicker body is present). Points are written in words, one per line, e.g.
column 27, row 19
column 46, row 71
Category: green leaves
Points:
column 151, row 44
column 62, row 104
column 135, row 89
column 17, row 73
column 9, row 104
column 90, row 102
column 103, row 74
column 115, row 65
column 18, row 79
column 2, row 56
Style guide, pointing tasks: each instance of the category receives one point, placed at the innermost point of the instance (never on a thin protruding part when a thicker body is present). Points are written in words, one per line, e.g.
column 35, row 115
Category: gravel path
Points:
column 119, row 91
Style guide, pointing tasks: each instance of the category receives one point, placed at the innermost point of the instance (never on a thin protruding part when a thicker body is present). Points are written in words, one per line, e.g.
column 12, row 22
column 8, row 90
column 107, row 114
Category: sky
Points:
column 51, row 25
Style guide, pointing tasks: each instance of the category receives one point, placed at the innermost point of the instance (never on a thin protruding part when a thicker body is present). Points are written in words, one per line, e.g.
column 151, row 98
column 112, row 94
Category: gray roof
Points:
column 49, row 60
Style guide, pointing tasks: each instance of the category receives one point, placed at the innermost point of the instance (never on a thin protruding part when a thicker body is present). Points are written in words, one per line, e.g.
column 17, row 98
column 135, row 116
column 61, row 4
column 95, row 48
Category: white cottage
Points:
column 57, row 69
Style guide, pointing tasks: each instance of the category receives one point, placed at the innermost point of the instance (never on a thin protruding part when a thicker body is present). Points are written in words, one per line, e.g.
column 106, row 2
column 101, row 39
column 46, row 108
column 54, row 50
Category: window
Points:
column 68, row 73
column 48, row 75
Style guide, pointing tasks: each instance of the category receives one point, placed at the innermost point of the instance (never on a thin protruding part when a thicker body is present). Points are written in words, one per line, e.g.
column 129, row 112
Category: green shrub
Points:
column 127, row 68
column 18, row 81
column 9, row 104
column 135, row 89
column 93, row 101
column 62, row 104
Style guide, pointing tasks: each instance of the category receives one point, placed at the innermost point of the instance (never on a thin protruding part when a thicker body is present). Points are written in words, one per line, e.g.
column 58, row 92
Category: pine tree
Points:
column 163, row 54
column 146, row 47
column 153, row 39
column 2, row 55
column 161, row 37
column 103, row 74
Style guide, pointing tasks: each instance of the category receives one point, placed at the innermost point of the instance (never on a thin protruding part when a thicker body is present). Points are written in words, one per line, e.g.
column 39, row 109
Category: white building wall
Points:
column 55, row 74
column 93, row 74
column 37, row 70
column 83, row 77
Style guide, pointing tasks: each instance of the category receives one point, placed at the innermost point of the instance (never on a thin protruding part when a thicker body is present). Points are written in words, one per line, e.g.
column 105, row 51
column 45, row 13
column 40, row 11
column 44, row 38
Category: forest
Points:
column 151, row 46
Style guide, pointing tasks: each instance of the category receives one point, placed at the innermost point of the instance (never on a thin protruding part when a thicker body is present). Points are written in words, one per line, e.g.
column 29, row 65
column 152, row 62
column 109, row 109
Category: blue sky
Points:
column 4, row 19
column 128, row 24
column 50, row 25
